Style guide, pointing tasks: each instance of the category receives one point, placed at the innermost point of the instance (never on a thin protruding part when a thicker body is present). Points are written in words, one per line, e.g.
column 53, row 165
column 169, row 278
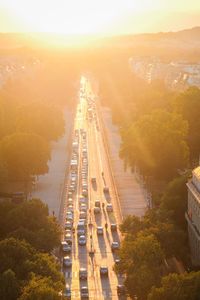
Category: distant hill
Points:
column 184, row 44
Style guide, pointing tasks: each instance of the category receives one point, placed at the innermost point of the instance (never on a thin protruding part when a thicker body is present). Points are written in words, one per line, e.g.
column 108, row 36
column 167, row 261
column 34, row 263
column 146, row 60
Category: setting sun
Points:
column 94, row 17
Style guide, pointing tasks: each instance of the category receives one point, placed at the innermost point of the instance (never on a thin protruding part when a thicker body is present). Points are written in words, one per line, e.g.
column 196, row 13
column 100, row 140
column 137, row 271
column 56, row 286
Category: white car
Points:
column 67, row 262
column 84, row 292
column 99, row 230
column 115, row 246
column 65, row 247
column 82, row 240
column 109, row 207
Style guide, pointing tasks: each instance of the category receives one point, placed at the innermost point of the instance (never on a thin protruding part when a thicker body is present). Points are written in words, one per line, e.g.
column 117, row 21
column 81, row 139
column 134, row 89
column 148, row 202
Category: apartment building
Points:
column 193, row 216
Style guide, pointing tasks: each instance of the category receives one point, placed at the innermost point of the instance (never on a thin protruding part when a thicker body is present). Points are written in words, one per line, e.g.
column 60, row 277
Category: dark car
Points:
column 121, row 290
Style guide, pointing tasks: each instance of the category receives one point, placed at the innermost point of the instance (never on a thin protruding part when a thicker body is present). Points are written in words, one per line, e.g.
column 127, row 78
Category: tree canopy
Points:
column 177, row 287
column 29, row 220
column 18, row 262
column 188, row 104
column 156, row 144
column 25, row 155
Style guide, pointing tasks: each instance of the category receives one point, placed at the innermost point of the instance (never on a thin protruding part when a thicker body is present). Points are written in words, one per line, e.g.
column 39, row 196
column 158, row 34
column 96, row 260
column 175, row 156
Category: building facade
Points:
column 193, row 216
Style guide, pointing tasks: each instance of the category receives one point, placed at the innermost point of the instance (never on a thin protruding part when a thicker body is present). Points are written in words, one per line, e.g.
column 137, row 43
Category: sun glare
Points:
column 71, row 17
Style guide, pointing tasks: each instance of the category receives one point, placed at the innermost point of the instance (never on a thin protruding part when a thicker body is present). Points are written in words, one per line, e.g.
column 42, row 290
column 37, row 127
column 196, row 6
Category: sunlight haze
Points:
column 97, row 17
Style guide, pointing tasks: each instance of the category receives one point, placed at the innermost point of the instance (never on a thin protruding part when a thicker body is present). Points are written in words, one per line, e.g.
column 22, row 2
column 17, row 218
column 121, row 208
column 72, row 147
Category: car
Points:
column 84, row 192
column 106, row 190
column 65, row 247
column 70, row 208
column 69, row 216
column 70, row 201
column 83, row 273
column 81, row 231
column 82, row 240
column 97, row 210
column 83, row 215
column 82, row 200
column 67, row 293
column 103, row 271
column 117, row 261
column 67, row 262
column 97, row 203
column 83, row 207
column 68, row 225
column 113, row 227
column 121, row 290
column 84, row 292
column 68, row 238
column 109, row 207
column 115, row 246
column 93, row 180
column 99, row 230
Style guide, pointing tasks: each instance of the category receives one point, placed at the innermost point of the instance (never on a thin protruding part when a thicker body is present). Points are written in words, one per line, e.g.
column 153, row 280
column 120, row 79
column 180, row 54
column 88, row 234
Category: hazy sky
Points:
column 98, row 16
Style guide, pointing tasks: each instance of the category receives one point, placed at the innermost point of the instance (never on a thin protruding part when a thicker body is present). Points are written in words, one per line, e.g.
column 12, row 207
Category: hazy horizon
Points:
column 98, row 18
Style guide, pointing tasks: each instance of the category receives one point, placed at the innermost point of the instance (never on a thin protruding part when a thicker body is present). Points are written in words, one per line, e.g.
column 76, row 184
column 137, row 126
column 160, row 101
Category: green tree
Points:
column 177, row 287
column 40, row 289
column 175, row 199
column 41, row 119
column 9, row 286
column 140, row 258
column 156, row 144
column 29, row 220
column 25, row 155
column 188, row 104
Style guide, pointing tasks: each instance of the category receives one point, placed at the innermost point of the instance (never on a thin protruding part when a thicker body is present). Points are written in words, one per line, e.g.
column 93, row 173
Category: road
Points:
column 88, row 151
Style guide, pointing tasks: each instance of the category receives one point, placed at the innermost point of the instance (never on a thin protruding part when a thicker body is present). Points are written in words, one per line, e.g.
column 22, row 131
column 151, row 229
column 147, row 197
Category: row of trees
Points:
column 27, row 236
column 26, row 130
column 160, row 141
column 160, row 133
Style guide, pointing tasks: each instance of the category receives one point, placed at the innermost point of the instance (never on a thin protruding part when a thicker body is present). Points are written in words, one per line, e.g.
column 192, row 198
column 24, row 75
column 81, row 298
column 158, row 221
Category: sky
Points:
column 107, row 17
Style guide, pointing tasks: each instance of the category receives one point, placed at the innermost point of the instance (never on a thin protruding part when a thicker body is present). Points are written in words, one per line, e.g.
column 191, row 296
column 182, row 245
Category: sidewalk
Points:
column 131, row 194
column 49, row 186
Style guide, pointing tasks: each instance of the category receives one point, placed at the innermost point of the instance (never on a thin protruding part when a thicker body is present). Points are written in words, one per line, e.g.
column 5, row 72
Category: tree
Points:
column 41, row 119
column 175, row 199
column 9, row 286
column 25, row 155
column 24, row 261
column 29, row 220
column 188, row 104
column 140, row 258
column 40, row 289
column 177, row 287
column 156, row 144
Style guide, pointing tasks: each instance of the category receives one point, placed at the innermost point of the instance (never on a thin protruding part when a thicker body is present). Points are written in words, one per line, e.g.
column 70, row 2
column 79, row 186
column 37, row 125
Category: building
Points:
column 193, row 216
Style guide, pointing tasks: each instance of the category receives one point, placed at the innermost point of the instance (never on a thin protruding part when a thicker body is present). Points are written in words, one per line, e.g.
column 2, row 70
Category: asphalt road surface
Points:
column 89, row 160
